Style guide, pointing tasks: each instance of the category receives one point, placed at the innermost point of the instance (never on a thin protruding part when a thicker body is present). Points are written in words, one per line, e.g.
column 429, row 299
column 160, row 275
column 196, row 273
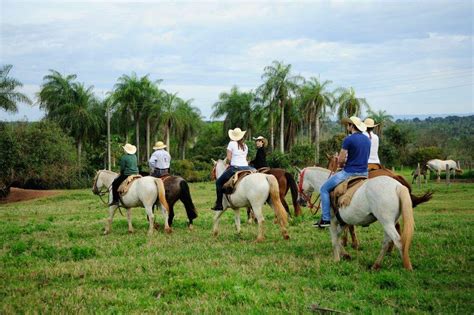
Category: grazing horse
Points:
column 439, row 166
column 143, row 192
column 252, row 191
column 380, row 199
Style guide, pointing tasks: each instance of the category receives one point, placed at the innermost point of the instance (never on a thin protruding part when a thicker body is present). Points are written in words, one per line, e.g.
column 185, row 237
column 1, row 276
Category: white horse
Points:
column 252, row 191
column 439, row 166
column 143, row 192
column 380, row 199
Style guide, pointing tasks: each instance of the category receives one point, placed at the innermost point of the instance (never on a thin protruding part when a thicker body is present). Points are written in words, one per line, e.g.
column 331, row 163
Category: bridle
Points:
column 307, row 197
column 100, row 193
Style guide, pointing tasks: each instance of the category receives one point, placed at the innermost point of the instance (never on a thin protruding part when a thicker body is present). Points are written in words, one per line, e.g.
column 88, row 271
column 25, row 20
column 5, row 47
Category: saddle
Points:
column 231, row 184
column 264, row 170
column 125, row 185
column 342, row 195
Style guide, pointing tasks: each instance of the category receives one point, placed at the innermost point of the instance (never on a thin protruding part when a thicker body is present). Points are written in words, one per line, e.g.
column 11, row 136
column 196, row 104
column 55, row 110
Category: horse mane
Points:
column 108, row 172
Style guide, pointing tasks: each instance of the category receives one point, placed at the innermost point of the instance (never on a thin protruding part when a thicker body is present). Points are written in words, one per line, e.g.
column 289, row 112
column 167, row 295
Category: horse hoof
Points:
column 156, row 226
column 105, row 233
column 376, row 267
column 190, row 227
column 168, row 230
column 259, row 239
column 131, row 231
column 215, row 233
column 346, row 257
column 286, row 236
column 355, row 246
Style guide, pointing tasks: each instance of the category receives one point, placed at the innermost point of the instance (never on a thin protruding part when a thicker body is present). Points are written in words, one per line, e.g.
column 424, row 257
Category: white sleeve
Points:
column 231, row 146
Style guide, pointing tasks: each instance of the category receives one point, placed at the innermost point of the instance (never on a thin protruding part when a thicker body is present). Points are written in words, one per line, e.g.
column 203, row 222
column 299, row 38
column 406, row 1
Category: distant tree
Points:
column 190, row 118
column 9, row 96
column 55, row 91
column 169, row 116
column 348, row 104
column 279, row 85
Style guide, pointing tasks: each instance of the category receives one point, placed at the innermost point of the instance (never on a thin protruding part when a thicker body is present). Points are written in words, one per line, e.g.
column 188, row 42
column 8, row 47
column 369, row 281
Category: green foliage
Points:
column 424, row 154
column 191, row 171
column 39, row 156
column 331, row 146
column 277, row 159
column 302, row 155
column 9, row 96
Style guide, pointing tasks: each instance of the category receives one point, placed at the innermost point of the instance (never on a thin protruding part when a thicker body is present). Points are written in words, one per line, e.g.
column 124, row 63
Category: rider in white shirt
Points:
column 374, row 161
column 160, row 160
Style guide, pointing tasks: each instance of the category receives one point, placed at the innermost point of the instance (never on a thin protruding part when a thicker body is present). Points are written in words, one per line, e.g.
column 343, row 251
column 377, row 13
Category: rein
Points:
column 305, row 196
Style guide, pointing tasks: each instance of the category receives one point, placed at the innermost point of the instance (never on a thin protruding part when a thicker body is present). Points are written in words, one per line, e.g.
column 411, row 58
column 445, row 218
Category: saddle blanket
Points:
column 125, row 185
column 342, row 195
column 229, row 186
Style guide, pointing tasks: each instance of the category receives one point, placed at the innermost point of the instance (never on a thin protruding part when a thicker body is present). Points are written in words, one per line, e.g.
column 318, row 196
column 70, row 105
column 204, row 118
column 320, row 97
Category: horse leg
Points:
column 215, row 228
column 108, row 224
column 171, row 214
column 129, row 219
column 164, row 212
column 258, row 214
column 250, row 215
column 344, row 236
column 285, row 205
column 151, row 219
column 391, row 231
column 387, row 243
column 390, row 245
column 355, row 241
column 237, row 220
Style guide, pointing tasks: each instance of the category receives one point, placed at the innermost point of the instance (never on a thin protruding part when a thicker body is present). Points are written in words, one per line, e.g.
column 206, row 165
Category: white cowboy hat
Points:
column 159, row 145
column 263, row 139
column 370, row 123
column 129, row 148
column 236, row 134
column 356, row 121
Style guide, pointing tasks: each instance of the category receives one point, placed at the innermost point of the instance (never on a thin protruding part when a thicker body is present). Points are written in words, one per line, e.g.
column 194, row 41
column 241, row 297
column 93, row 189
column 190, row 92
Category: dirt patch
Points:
column 18, row 194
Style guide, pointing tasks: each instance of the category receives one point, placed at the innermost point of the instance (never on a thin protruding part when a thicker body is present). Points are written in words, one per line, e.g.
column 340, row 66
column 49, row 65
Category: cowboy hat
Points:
column 129, row 148
column 236, row 134
column 263, row 139
column 159, row 145
column 356, row 122
column 370, row 123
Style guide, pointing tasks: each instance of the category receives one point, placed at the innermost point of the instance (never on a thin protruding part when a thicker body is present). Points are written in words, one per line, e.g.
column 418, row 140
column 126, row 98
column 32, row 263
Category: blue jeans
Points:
column 329, row 185
column 228, row 173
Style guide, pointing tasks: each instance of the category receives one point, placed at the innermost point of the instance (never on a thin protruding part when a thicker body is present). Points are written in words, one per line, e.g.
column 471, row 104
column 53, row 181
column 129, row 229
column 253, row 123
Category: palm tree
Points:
column 279, row 85
column 169, row 116
column 131, row 92
column 380, row 117
column 55, row 91
column 190, row 118
column 8, row 96
column 153, row 100
column 349, row 104
column 316, row 100
column 238, row 108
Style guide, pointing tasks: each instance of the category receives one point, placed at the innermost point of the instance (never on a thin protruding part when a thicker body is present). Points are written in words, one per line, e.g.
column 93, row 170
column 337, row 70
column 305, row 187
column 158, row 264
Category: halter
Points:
column 305, row 196
column 98, row 192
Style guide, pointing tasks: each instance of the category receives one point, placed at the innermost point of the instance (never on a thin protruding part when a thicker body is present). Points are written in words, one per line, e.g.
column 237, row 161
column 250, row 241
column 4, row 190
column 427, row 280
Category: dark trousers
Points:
column 158, row 172
column 115, row 185
column 224, row 178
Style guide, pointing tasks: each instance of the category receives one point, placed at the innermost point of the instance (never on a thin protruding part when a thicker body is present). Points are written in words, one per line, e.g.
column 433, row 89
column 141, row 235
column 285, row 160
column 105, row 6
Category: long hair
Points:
column 369, row 131
column 241, row 144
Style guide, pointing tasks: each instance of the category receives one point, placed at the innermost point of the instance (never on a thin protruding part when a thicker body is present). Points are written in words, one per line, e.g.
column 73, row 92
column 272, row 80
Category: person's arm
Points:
column 342, row 157
column 122, row 165
column 229, row 155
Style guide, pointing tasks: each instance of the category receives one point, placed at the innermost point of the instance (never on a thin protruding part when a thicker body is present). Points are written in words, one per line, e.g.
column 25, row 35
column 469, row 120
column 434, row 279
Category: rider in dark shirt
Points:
column 261, row 156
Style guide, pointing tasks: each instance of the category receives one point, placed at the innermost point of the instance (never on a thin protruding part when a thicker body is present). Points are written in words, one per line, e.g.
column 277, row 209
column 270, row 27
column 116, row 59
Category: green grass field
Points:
column 54, row 259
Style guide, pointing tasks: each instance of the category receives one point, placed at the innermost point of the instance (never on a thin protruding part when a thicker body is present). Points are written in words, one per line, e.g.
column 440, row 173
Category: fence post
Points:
column 418, row 175
column 447, row 174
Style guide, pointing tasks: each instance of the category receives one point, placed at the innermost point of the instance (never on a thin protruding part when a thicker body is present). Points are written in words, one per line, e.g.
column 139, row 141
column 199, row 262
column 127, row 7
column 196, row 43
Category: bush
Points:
column 302, row 155
column 277, row 159
column 36, row 155
column 190, row 171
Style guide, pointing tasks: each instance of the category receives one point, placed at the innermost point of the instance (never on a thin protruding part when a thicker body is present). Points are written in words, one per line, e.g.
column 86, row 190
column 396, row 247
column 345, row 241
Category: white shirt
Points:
column 374, row 147
column 239, row 157
column 160, row 159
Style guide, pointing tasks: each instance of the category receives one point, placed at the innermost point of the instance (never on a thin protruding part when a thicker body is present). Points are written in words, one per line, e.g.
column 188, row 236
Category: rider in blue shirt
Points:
column 354, row 156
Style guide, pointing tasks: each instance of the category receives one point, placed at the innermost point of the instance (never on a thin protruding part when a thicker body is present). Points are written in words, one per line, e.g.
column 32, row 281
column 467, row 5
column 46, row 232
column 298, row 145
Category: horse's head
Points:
column 96, row 183
column 304, row 189
column 333, row 162
column 219, row 167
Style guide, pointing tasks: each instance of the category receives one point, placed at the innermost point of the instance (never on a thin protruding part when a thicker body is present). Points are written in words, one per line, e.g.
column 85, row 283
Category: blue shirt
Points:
column 358, row 152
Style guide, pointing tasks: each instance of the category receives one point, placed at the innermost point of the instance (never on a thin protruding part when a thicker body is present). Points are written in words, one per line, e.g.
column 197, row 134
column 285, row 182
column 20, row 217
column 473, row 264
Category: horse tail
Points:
column 416, row 200
column 280, row 211
column 294, row 192
column 187, row 201
column 408, row 224
column 161, row 194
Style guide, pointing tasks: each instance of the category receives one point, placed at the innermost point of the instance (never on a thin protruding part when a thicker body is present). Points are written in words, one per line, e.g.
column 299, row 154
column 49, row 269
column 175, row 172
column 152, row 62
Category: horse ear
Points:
column 328, row 156
column 214, row 161
column 299, row 170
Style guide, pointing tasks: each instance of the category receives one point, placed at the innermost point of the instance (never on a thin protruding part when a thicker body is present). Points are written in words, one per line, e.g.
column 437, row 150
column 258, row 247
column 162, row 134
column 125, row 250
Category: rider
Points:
column 374, row 161
column 260, row 157
column 237, row 152
column 128, row 166
column 356, row 148
column 160, row 160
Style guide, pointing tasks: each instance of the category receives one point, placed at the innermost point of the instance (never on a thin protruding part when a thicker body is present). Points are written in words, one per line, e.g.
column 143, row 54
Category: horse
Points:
column 380, row 199
column 285, row 182
column 439, row 166
column 143, row 192
column 252, row 191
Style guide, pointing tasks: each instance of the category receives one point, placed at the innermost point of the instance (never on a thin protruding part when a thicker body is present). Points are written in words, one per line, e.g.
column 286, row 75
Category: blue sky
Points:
column 405, row 57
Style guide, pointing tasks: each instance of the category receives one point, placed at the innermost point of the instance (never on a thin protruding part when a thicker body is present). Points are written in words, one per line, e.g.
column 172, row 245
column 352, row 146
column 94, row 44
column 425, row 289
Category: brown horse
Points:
column 285, row 182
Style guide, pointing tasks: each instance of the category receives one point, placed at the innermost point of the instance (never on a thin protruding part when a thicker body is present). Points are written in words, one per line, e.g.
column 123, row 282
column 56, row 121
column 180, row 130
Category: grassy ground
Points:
column 54, row 259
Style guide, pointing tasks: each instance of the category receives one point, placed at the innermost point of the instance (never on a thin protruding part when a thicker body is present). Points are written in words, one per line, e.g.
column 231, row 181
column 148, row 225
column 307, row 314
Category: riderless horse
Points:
column 439, row 166
column 143, row 192
column 252, row 191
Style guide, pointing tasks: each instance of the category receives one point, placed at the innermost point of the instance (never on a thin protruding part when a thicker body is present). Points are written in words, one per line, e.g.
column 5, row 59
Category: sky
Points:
column 404, row 57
